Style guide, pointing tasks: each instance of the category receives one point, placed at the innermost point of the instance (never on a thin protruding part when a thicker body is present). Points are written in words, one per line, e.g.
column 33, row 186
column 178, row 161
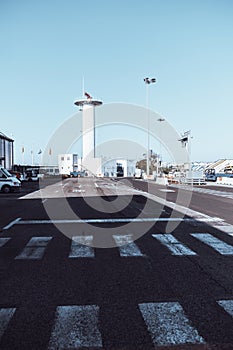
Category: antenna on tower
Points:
column 83, row 86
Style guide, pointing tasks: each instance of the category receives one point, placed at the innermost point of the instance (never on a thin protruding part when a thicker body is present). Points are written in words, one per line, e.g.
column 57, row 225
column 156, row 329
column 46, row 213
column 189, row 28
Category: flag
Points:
column 22, row 149
column 40, row 151
column 50, row 151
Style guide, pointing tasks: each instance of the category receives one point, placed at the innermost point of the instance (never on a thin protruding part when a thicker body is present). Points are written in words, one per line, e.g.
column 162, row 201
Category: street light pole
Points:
column 148, row 81
column 159, row 158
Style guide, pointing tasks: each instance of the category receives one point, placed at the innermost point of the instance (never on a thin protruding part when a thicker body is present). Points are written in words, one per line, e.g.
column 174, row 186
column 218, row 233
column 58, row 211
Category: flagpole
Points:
column 32, row 157
column 22, row 154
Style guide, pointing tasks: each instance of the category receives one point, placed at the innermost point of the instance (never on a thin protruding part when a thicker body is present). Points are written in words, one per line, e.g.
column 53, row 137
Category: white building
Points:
column 68, row 163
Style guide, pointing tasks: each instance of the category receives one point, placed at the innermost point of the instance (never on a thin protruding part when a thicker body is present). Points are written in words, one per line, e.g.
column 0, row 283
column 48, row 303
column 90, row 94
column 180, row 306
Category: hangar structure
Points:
column 6, row 151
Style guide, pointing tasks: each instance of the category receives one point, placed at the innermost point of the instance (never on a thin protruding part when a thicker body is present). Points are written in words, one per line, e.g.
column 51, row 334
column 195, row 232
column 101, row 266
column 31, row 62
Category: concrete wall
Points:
column 224, row 180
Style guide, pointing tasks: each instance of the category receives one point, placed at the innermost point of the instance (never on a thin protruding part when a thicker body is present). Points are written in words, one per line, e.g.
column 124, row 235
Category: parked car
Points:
column 8, row 183
column 17, row 174
column 210, row 177
column 77, row 173
column 33, row 174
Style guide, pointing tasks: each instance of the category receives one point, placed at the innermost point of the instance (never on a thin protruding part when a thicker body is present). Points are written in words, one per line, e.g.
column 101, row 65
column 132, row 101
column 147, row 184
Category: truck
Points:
column 138, row 173
column 8, row 183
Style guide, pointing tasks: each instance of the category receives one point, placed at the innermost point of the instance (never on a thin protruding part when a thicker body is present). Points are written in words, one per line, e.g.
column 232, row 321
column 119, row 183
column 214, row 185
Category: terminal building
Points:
column 6, row 151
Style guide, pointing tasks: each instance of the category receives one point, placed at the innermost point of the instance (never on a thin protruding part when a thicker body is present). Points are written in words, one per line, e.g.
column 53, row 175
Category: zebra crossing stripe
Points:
column 3, row 241
column 5, row 317
column 76, row 327
column 126, row 245
column 225, row 228
column 35, row 248
column 168, row 324
column 215, row 243
column 173, row 244
column 227, row 305
column 81, row 247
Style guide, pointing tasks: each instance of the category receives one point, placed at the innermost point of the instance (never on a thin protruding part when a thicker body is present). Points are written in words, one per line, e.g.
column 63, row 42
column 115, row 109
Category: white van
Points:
column 33, row 174
column 8, row 183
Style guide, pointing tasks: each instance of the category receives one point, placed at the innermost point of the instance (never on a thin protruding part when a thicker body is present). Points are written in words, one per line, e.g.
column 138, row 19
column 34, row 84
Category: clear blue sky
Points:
column 47, row 47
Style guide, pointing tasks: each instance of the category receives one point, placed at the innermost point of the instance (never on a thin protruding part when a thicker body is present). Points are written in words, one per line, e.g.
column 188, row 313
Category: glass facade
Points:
column 6, row 151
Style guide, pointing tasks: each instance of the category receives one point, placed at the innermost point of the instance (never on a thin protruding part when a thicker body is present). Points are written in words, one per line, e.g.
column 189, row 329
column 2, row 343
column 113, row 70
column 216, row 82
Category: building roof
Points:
column 4, row 137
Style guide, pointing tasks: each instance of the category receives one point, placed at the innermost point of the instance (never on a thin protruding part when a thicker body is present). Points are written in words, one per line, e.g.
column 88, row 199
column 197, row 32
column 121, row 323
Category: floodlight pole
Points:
column 148, row 81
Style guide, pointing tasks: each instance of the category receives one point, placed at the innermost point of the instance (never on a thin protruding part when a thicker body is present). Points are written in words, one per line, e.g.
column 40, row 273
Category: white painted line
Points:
column 166, row 190
column 3, row 241
column 116, row 220
column 227, row 306
column 5, row 317
column 12, row 223
column 168, row 324
column 215, row 243
column 44, row 200
column 81, row 247
column 126, row 245
column 225, row 228
column 76, row 327
column 39, row 241
column 173, row 244
column 35, row 249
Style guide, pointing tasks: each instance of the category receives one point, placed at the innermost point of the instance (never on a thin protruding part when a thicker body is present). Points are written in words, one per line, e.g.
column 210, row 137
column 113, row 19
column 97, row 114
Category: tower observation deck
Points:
column 87, row 105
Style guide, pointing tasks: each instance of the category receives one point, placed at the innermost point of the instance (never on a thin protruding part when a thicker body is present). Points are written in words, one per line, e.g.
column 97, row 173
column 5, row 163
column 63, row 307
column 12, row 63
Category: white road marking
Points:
column 126, row 245
column 116, row 220
column 215, row 243
column 168, row 324
column 225, row 228
column 81, row 247
column 3, row 241
column 173, row 244
column 12, row 223
column 227, row 306
column 166, row 190
column 217, row 193
column 34, row 249
column 44, row 200
column 5, row 317
column 76, row 327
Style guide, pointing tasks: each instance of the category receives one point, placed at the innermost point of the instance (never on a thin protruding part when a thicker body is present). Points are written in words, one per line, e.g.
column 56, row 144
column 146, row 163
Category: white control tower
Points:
column 87, row 105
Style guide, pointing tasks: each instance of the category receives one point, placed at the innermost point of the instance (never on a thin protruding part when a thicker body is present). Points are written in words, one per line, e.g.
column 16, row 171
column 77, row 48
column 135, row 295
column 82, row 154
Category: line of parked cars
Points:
column 10, row 181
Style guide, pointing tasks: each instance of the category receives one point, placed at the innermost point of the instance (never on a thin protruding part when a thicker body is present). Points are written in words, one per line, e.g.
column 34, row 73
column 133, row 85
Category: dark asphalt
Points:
column 116, row 284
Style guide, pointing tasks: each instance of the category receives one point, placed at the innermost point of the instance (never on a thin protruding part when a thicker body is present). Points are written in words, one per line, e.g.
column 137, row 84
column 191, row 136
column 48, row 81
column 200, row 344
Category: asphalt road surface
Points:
column 106, row 264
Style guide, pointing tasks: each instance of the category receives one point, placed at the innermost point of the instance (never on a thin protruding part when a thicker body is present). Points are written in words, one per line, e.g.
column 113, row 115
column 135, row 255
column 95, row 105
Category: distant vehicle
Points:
column 228, row 169
column 138, row 173
column 77, row 173
column 120, row 170
column 8, row 183
column 17, row 174
column 210, row 175
column 33, row 174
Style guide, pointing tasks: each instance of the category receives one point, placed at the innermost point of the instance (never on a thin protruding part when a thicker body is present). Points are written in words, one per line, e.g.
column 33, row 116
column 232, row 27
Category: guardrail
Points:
column 195, row 181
